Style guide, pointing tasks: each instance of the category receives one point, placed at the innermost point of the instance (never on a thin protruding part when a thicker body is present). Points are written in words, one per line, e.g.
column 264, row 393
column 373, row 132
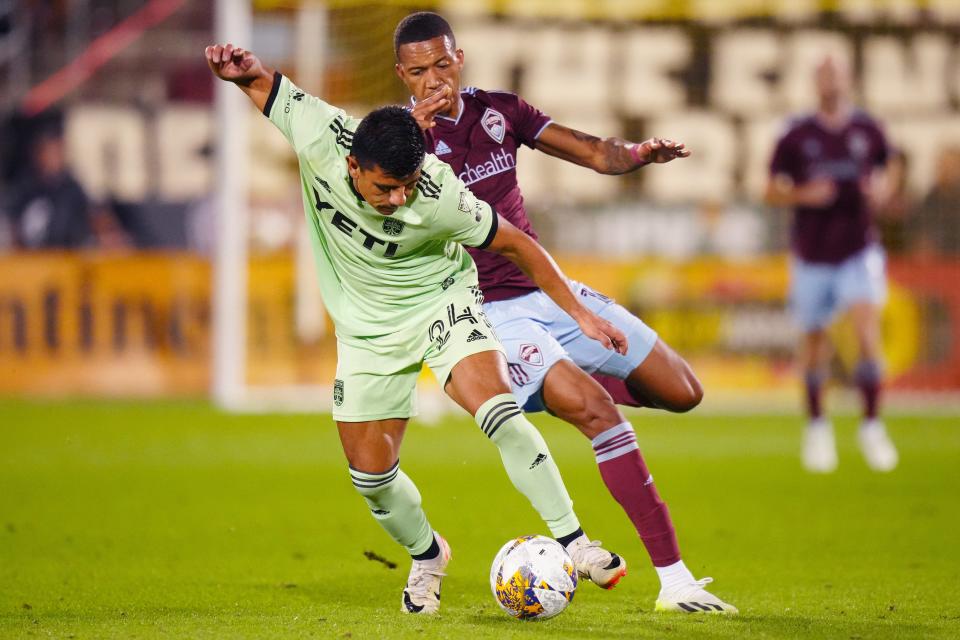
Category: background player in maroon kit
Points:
column 479, row 134
column 829, row 168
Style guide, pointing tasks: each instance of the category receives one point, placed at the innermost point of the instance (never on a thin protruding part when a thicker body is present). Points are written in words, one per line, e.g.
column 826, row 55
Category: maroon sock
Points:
column 813, row 382
column 868, row 379
column 630, row 483
column 620, row 392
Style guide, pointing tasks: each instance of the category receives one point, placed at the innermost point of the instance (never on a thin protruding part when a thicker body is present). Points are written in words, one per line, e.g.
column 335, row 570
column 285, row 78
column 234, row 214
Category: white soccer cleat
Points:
column 878, row 450
column 594, row 563
column 819, row 453
column 693, row 598
column 422, row 593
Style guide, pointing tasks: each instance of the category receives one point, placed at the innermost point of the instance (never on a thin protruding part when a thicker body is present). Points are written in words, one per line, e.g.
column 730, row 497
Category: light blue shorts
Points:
column 819, row 291
column 536, row 334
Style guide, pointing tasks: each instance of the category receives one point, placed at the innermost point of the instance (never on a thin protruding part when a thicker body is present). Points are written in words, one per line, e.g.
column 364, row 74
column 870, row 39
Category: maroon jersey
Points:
column 847, row 156
column 481, row 146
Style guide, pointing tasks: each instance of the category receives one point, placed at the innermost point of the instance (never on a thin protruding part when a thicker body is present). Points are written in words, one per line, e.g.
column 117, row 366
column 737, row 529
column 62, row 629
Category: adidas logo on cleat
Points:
column 696, row 607
column 475, row 335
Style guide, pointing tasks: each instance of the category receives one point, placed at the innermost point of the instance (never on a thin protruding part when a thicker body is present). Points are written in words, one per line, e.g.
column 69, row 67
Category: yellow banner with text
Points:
column 140, row 325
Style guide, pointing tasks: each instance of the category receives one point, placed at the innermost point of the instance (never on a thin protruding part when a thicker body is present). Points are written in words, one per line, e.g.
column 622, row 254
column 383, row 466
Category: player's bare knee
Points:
column 693, row 395
column 684, row 398
column 592, row 414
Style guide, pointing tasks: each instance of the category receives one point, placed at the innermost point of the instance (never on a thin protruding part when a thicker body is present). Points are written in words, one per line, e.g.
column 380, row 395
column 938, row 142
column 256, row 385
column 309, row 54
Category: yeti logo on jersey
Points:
column 348, row 226
column 338, row 392
column 442, row 148
column 493, row 123
column 392, row 227
column 530, row 353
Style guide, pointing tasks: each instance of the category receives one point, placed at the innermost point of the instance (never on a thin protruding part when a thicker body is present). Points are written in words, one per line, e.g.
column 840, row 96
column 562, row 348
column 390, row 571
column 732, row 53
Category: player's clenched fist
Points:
column 609, row 336
column 233, row 64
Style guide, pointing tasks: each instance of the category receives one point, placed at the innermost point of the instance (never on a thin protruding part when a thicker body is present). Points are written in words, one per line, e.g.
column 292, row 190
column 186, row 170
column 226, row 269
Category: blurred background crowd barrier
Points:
column 108, row 187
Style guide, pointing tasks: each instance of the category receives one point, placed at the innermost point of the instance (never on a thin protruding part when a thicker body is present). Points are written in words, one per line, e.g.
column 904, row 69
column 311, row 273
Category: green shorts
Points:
column 377, row 377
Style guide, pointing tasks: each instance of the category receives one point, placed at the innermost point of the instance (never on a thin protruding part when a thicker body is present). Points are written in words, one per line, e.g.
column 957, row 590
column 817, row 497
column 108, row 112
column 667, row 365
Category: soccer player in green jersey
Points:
column 388, row 225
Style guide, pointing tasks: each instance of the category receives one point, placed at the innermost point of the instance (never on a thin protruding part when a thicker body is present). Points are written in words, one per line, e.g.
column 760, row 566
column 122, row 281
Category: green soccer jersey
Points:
column 376, row 272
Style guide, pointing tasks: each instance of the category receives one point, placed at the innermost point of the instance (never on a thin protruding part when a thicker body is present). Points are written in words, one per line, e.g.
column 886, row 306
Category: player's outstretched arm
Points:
column 612, row 156
column 534, row 260
column 242, row 68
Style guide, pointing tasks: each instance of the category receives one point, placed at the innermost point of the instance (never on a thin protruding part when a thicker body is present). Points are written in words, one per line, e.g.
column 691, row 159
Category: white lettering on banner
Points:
column 550, row 183
column 927, row 136
column 182, row 132
column 743, row 60
column 492, row 68
column 708, row 175
column 605, row 79
column 803, row 51
column 569, row 70
column 107, row 148
column 651, row 59
column 898, row 78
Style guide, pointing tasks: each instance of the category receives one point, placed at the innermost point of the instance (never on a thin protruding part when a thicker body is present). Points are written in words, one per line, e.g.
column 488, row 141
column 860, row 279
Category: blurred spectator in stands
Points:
column 935, row 229
column 48, row 209
column 893, row 214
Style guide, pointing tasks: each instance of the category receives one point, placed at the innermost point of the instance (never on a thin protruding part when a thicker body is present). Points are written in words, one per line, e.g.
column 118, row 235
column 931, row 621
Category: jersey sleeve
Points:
column 783, row 161
column 883, row 150
column 460, row 215
column 528, row 121
column 301, row 117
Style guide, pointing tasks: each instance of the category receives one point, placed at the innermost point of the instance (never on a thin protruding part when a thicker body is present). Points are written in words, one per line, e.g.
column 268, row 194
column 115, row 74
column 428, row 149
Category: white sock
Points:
column 674, row 575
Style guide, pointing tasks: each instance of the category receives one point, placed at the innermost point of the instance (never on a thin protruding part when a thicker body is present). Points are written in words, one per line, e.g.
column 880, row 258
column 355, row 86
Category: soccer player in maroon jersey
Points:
column 479, row 133
column 829, row 168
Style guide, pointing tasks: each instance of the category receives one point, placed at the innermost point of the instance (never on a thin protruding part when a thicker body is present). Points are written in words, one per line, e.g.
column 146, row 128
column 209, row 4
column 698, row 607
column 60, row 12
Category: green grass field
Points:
column 123, row 520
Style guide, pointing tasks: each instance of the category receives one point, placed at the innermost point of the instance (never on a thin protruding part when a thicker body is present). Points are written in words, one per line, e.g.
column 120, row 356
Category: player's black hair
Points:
column 420, row 26
column 390, row 138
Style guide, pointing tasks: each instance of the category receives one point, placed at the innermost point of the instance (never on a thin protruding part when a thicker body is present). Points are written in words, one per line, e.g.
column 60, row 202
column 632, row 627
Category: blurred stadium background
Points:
column 173, row 266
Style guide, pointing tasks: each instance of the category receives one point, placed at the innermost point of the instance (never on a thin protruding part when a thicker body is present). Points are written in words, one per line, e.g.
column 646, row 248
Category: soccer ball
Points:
column 533, row 578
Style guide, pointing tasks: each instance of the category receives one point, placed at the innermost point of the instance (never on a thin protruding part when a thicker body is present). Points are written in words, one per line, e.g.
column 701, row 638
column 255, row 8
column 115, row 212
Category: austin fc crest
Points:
column 338, row 392
column 392, row 227
column 493, row 123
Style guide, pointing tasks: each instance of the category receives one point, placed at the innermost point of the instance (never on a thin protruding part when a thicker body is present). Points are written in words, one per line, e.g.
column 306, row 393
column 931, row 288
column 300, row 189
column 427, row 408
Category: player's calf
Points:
column 664, row 380
column 528, row 462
